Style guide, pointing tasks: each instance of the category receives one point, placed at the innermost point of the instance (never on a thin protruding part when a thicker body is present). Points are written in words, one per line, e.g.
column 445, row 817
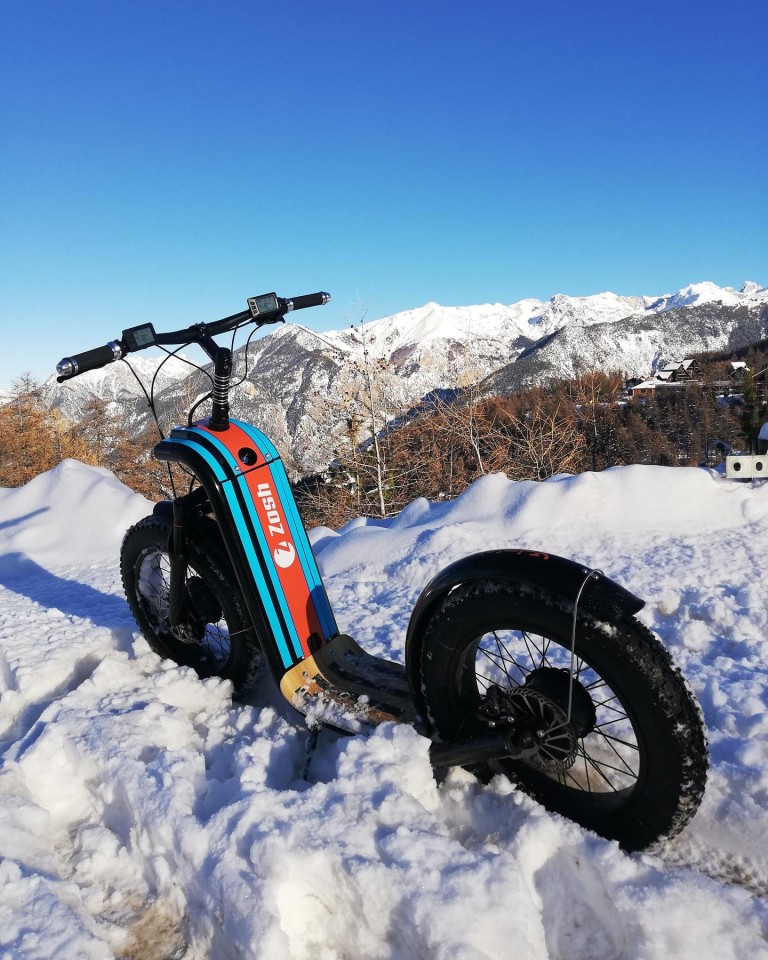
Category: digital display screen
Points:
column 137, row 338
column 266, row 303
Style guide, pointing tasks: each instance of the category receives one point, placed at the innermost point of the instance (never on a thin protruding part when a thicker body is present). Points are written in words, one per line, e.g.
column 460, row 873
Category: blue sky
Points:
column 161, row 161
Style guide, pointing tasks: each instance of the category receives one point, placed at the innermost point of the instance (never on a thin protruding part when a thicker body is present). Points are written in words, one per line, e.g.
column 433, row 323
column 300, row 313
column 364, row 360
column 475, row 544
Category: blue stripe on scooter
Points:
column 277, row 595
column 265, row 549
column 245, row 538
column 250, row 533
column 266, row 553
column 296, row 525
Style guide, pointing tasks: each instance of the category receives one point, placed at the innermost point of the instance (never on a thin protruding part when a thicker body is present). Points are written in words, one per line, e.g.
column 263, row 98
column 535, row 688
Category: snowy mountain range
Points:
column 116, row 383
column 300, row 385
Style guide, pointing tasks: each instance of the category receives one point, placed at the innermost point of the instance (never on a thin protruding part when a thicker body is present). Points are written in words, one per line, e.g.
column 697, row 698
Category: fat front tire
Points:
column 216, row 638
column 622, row 750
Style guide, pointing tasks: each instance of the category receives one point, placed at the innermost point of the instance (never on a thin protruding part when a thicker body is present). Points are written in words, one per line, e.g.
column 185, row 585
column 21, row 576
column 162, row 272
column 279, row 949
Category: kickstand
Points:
column 314, row 733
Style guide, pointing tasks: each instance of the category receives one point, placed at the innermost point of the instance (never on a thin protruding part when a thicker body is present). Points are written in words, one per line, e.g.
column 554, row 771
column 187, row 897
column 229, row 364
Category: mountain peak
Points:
column 693, row 294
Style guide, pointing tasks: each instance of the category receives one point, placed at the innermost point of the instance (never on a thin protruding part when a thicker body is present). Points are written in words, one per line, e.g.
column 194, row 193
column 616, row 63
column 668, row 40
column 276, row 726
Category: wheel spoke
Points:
column 508, row 656
column 608, row 736
column 540, row 653
column 596, row 766
column 568, row 775
column 498, row 659
column 607, row 705
column 502, row 663
column 154, row 590
column 586, row 774
column 513, row 656
column 610, row 741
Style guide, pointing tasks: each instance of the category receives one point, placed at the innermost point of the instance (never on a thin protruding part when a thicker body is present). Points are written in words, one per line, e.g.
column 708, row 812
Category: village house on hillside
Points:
column 674, row 375
column 681, row 373
column 760, row 381
column 647, row 388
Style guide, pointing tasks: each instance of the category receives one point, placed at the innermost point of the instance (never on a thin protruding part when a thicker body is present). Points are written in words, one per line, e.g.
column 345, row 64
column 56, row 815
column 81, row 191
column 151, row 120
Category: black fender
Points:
column 289, row 609
column 596, row 593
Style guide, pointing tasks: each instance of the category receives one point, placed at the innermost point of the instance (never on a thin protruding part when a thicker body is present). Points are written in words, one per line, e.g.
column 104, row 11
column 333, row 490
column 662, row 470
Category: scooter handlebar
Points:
column 308, row 300
column 79, row 363
column 99, row 357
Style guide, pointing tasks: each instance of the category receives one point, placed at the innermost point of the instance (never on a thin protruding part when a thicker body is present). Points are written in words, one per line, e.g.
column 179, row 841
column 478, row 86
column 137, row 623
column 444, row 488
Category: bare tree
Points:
column 590, row 393
column 369, row 397
column 544, row 442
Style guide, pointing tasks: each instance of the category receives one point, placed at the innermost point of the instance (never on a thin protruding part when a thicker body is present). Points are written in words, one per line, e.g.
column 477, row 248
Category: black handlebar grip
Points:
column 88, row 360
column 309, row 300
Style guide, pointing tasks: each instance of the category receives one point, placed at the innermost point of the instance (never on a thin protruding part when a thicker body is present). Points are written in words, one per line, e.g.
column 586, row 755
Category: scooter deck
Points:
column 340, row 685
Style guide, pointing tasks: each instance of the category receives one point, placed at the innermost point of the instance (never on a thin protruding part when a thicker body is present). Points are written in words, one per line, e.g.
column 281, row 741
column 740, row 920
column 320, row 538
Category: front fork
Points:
column 183, row 508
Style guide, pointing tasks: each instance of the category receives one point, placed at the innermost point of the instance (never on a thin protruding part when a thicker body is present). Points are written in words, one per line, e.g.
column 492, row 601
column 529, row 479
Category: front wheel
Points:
column 215, row 638
column 620, row 742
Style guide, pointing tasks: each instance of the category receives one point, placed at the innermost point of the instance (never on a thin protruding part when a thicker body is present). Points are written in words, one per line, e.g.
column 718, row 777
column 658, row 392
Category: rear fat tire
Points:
column 639, row 775
column 218, row 639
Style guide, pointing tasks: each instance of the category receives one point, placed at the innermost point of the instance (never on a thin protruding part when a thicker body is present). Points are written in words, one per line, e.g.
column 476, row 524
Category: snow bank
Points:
column 143, row 815
column 71, row 514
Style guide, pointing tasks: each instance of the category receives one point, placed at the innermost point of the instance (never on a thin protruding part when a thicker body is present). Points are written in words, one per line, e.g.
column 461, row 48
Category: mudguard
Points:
column 247, row 486
column 600, row 596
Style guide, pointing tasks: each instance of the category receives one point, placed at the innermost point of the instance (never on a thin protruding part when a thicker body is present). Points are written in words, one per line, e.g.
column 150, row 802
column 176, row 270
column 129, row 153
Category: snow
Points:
column 143, row 815
column 707, row 292
column 528, row 318
column 533, row 318
column 117, row 380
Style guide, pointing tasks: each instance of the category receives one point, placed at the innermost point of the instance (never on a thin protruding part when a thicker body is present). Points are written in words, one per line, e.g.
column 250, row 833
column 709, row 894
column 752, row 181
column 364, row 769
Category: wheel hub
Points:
column 200, row 607
column 554, row 736
column 536, row 706
column 202, row 602
column 558, row 685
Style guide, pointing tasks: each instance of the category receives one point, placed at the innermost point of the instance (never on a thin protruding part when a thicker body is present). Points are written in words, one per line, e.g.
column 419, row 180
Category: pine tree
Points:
column 34, row 438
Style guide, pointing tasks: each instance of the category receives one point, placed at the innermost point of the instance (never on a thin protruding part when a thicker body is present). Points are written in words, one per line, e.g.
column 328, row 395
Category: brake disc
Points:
column 554, row 734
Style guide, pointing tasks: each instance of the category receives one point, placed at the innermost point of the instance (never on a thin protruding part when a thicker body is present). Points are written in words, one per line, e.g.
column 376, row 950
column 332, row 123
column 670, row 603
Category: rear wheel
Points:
column 621, row 746
column 215, row 638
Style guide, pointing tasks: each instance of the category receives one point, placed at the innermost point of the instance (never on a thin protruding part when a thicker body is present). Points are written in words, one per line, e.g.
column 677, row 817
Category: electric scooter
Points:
column 517, row 663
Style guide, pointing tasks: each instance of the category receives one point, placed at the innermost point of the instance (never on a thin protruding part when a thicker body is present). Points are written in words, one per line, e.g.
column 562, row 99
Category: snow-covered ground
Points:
column 143, row 815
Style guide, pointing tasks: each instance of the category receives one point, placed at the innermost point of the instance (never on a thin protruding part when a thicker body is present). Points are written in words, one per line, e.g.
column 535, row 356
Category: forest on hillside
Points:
column 384, row 461
column 590, row 423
